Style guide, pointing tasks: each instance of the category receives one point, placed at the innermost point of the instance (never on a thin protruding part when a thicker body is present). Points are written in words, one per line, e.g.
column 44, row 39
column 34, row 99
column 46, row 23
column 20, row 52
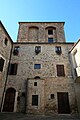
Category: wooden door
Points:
column 9, row 100
column 63, row 103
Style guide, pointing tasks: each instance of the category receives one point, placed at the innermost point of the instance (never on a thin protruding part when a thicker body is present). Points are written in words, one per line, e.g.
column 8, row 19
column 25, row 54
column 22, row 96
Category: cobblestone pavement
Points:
column 19, row 116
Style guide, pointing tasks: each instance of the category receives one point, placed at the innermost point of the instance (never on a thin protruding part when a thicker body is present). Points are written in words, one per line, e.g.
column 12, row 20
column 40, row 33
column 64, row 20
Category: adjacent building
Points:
column 5, row 53
column 40, row 78
column 75, row 61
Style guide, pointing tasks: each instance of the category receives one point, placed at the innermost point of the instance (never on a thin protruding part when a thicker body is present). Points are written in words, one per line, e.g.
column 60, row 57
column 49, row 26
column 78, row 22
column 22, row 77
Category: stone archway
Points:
column 9, row 100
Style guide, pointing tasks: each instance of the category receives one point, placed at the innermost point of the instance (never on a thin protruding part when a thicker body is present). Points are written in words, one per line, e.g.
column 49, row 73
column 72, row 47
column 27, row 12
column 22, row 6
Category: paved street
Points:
column 19, row 116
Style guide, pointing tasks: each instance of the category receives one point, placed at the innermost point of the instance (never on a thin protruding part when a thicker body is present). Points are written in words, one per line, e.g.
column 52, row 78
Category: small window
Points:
column 16, row 50
column 36, row 77
column 50, row 32
column 13, row 69
column 58, row 50
column 1, row 64
column 35, row 100
column 35, row 83
column 50, row 40
column 6, row 41
column 52, row 96
column 23, row 94
column 37, row 49
column 37, row 66
column 18, row 98
column 60, row 70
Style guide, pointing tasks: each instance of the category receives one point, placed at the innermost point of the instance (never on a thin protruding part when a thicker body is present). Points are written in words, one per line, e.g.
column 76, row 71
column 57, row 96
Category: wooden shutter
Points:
column 13, row 69
column 63, row 103
column 60, row 70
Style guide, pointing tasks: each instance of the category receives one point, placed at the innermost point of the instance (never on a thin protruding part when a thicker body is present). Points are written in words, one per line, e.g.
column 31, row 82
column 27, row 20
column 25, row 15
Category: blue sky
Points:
column 68, row 11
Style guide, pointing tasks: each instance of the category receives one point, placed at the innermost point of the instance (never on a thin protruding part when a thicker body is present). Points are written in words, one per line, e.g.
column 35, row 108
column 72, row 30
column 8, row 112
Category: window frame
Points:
column 16, row 50
column 37, row 49
column 35, row 83
column 50, row 31
column 35, row 100
column 2, row 65
column 58, row 50
column 51, row 40
column 60, row 70
column 52, row 96
column 37, row 66
column 6, row 41
column 13, row 69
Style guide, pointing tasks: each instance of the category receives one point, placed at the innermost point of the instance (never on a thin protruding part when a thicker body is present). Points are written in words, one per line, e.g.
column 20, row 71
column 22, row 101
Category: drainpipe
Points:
column 1, row 106
column 26, row 96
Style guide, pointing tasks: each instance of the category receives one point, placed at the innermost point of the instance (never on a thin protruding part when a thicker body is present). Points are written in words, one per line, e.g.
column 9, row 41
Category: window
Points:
column 58, row 50
column 50, row 32
column 13, row 69
column 16, row 50
column 36, row 77
column 35, row 83
column 23, row 94
column 50, row 40
column 6, row 41
column 1, row 64
column 37, row 49
column 52, row 96
column 37, row 66
column 60, row 70
column 35, row 100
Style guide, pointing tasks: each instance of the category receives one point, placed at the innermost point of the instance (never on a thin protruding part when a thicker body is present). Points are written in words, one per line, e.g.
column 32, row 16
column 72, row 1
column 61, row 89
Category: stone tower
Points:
column 40, row 76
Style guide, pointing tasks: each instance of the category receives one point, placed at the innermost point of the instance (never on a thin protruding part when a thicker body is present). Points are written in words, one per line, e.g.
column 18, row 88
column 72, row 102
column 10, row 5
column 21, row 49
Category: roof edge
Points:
column 43, row 43
column 43, row 22
column 74, row 45
column 6, row 31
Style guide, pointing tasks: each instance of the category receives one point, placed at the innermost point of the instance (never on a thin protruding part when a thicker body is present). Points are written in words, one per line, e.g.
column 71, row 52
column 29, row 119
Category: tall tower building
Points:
column 40, row 78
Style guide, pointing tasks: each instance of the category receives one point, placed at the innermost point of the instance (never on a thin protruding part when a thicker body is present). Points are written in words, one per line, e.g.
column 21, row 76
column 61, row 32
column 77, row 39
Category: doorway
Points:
column 63, row 103
column 9, row 100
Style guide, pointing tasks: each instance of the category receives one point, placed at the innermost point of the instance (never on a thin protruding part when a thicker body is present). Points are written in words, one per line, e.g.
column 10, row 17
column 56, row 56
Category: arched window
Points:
column 33, row 33
column 36, row 77
column 50, row 34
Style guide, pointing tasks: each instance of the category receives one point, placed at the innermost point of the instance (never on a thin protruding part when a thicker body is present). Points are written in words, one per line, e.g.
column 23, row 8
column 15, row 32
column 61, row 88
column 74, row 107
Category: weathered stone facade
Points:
column 49, row 83
column 43, row 83
column 5, row 50
column 38, row 31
